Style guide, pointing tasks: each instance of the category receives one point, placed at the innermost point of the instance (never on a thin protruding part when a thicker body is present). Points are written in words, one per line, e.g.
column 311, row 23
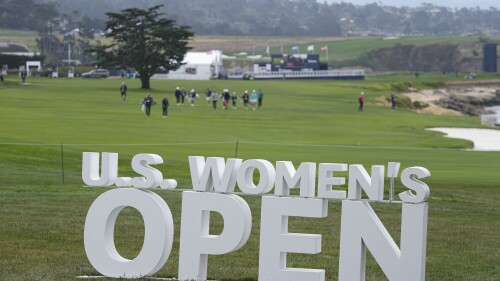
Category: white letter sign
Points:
column 90, row 169
column 275, row 241
column 287, row 178
column 99, row 233
column 361, row 229
column 214, row 183
column 196, row 241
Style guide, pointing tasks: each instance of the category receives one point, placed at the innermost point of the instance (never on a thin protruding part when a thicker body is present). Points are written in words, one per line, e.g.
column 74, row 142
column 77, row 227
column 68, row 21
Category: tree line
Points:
column 262, row 17
column 54, row 27
column 299, row 17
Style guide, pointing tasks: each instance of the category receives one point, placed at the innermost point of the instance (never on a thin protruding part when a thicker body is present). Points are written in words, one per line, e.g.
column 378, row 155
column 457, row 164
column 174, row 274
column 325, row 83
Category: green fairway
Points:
column 344, row 49
column 46, row 125
column 17, row 33
column 26, row 37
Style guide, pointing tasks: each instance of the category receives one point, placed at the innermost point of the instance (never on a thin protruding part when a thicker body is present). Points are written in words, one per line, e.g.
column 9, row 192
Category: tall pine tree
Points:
column 144, row 40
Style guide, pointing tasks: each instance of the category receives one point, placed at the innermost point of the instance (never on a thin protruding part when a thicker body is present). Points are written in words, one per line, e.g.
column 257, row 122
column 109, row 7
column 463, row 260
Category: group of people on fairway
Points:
column 212, row 97
column 254, row 99
column 148, row 102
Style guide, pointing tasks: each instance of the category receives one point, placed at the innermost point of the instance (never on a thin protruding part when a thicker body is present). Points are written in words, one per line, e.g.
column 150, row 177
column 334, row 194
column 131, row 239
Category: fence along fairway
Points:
column 301, row 121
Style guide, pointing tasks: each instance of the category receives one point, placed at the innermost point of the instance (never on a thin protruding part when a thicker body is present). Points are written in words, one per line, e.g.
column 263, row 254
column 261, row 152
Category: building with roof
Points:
column 197, row 66
column 16, row 49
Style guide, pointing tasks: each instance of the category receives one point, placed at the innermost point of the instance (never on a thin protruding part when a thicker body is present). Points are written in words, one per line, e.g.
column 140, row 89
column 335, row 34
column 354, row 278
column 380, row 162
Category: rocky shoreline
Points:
column 471, row 101
column 469, row 104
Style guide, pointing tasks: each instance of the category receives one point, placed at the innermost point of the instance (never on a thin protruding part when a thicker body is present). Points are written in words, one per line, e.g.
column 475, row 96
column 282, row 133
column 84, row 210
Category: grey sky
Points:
column 484, row 4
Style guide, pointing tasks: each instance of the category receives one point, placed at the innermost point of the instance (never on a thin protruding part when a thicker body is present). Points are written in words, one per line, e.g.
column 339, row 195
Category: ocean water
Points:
column 493, row 118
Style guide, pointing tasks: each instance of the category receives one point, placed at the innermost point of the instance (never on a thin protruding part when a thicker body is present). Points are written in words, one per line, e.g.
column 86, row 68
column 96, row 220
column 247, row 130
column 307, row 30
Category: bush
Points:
column 405, row 102
column 402, row 102
column 14, row 61
column 420, row 105
column 434, row 85
column 401, row 87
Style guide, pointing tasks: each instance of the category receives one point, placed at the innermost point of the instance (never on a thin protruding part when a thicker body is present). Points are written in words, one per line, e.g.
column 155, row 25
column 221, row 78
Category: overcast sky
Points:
column 485, row 4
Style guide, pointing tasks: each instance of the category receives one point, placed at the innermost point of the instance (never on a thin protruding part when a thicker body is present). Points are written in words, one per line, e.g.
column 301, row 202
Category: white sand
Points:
column 484, row 139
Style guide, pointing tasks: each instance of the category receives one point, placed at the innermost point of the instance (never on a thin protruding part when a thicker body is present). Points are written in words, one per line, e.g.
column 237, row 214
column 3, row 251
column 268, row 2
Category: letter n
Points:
column 362, row 229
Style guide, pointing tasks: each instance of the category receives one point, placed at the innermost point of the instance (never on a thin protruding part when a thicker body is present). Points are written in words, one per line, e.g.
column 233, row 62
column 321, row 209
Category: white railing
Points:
column 319, row 73
column 176, row 76
column 305, row 74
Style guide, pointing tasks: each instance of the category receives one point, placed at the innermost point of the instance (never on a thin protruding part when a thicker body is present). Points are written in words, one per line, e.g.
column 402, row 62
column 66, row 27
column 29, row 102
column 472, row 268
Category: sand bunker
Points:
column 484, row 139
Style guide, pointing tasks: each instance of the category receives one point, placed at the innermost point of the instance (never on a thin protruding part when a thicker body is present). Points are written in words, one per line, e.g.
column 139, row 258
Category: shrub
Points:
column 401, row 87
column 402, row 102
column 420, row 105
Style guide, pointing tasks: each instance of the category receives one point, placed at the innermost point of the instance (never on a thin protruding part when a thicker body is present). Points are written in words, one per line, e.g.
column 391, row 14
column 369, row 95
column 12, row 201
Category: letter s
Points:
column 409, row 179
column 152, row 177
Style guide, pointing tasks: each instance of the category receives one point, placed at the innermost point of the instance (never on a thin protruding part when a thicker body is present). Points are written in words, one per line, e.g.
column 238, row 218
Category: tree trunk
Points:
column 145, row 82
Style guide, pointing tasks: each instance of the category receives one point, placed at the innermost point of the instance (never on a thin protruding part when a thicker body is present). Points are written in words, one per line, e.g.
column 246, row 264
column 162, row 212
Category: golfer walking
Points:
column 361, row 101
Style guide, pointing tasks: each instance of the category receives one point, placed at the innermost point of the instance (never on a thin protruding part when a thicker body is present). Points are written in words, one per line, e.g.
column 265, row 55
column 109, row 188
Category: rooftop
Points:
column 9, row 47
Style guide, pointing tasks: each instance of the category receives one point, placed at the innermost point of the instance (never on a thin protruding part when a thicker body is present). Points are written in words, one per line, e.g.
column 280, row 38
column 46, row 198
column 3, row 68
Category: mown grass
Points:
column 26, row 37
column 41, row 234
column 339, row 48
column 344, row 49
column 17, row 32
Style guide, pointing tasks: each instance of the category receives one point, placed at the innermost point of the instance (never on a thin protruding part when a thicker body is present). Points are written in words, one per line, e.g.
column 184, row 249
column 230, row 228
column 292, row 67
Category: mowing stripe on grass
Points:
column 246, row 142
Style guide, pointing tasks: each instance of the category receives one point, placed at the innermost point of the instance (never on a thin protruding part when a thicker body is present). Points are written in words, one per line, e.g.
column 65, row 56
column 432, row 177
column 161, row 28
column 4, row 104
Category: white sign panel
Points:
column 215, row 185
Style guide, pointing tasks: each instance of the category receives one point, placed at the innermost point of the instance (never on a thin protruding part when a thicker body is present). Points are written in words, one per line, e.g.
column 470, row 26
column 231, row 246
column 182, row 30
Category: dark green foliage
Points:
column 145, row 40
column 304, row 17
column 433, row 85
column 23, row 14
column 401, row 87
column 432, row 57
column 419, row 105
column 403, row 102
column 14, row 61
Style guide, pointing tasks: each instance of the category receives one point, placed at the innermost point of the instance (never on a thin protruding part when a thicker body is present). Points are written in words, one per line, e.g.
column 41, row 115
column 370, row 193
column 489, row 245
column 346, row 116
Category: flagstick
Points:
column 327, row 59
column 391, row 190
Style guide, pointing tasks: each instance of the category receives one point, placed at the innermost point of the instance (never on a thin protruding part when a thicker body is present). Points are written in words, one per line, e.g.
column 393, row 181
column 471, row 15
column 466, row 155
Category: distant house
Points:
column 9, row 48
column 197, row 66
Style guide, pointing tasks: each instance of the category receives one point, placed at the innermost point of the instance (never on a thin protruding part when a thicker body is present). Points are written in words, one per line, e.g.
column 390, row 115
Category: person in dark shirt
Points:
column 24, row 73
column 393, row 101
column 178, row 95
column 192, row 96
column 1, row 78
column 208, row 95
column 183, row 95
column 165, row 105
column 246, row 99
column 148, row 102
column 233, row 99
column 260, row 97
column 123, row 91
column 226, row 97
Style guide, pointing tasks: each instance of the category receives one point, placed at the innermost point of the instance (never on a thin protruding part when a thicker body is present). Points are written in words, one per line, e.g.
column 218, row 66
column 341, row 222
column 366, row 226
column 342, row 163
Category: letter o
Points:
column 99, row 233
column 245, row 176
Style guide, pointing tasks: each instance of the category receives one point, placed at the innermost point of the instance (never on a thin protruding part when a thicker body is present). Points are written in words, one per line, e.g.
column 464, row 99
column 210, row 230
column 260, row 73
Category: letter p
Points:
column 196, row 241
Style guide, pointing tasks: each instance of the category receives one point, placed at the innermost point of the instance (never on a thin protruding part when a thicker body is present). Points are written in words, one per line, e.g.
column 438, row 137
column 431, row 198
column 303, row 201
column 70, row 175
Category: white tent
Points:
column 197, row 66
